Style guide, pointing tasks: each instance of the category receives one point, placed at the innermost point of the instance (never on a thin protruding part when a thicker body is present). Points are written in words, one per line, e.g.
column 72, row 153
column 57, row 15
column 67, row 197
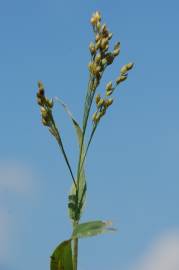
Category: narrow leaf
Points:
column 61, row 258
column 92, row 228
column 82, row 180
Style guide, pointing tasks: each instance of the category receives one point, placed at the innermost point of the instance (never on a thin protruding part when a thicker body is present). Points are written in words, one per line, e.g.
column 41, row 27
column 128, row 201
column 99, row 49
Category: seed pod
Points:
column 98, row 116
column 95, row 84
column 43, row 110
column 124, row 69
column 110, row 36
column 104, row 62
column 98, row 98
column 102, row 112
column 39, row 101
column 90, row 66
column 98, row 58
column 41, row 92
column 103, row 28
column 117, row 45
column 96, row 70
column 106, row 48
column 108, row 93
column 100, row 103
column 44, row 122
column 109, row 57
column 104, row 31
column 38, row 95
column 97, row 37
column 109, row 86
column 40, row 84
column 44, row 114
column 94, row 116
column 98, row 16
column 98, row 44
column 110, row 101
column 104, row 43
column 121, row 78
column 49, row 103
column 116, row 50
column 93, row 20
column 98, row 26
column 130, row 66
column 92, row 48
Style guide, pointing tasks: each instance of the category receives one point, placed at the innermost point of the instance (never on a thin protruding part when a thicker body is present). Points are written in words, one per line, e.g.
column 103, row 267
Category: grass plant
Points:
column 65, row 255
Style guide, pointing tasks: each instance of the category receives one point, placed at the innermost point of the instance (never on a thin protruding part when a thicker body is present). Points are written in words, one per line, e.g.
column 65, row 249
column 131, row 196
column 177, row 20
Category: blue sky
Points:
column 132, row 168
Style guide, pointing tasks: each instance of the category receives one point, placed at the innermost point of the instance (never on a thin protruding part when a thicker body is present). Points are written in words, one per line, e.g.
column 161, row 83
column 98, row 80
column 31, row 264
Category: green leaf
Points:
column 61, row 258
column 75, row 213
column 92, row 228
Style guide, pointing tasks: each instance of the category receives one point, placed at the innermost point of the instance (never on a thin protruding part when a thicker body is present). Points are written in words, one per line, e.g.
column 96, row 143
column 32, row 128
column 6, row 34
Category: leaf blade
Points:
column 61, row 258
column 92, row 228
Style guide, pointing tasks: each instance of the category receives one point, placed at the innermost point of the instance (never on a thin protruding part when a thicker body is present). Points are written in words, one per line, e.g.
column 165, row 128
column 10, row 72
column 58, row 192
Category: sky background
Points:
column 133, row 164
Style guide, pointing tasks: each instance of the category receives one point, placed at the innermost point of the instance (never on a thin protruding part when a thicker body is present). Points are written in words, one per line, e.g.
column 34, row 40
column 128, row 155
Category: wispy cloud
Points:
column 162, row 255
column 15, row 177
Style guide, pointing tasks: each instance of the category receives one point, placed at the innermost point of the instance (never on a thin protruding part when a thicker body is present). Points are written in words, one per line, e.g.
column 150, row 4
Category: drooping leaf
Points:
column 61, row 258
column 82, row 180
column 92, row 228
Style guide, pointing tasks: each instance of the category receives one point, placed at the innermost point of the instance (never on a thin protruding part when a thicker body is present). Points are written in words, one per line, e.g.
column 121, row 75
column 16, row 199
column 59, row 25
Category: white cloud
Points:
column 162, row 255
column 15, row 177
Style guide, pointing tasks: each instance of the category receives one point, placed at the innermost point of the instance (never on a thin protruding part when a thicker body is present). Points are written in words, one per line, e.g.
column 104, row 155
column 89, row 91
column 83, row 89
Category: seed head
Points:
column 96, row 17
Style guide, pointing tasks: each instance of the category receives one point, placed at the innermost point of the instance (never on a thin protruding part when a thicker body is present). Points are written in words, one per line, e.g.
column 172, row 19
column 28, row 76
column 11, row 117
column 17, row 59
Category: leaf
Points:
column 92, row 228
column 82, row 181
column 61, row 258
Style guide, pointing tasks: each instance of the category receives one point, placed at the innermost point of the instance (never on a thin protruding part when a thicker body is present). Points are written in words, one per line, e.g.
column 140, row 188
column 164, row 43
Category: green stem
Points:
column 90, row 95
column 56, row 134
column 85, row 120
column 67, row 162
column 75, row 254
column 89, row 142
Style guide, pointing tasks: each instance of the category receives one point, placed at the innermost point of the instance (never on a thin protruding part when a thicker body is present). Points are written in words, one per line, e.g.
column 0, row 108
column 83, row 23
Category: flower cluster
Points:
column 101, row 57
column 46, row 105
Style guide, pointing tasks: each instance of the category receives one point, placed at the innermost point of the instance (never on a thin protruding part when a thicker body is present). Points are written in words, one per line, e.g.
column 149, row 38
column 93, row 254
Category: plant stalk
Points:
column 75, row 254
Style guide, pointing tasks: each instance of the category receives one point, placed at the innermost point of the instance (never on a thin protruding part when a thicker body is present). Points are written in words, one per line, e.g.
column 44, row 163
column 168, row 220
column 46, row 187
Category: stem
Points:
column 56, row 134
column 67, row 162
column 90, row 95
column 89, row 142
column 75, row 254
column 85, row 120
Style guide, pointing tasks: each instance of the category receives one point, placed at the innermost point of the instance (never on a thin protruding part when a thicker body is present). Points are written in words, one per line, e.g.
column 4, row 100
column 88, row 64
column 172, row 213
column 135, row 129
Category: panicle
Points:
column 45, row 105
